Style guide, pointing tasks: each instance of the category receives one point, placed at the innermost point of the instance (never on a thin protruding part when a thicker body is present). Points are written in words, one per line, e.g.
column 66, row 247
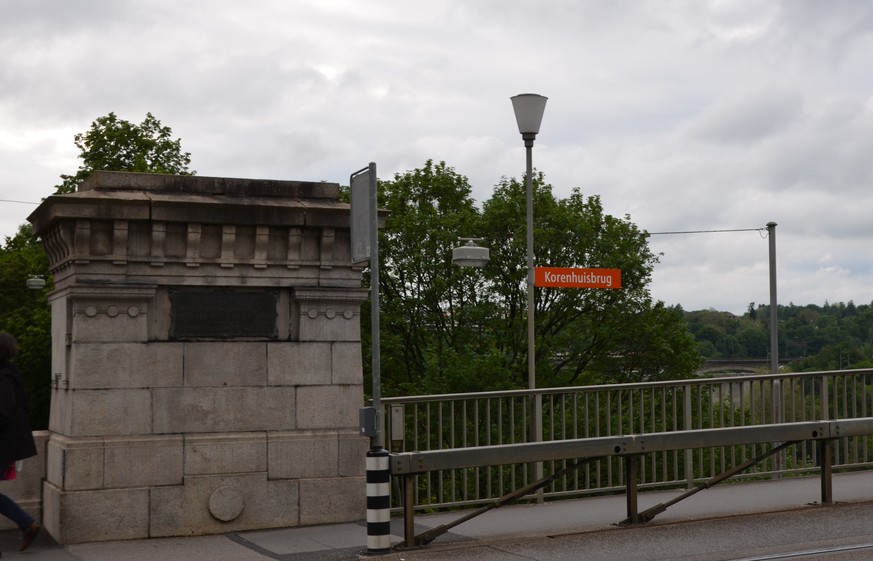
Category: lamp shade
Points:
column 529, row 109
column 470, row 255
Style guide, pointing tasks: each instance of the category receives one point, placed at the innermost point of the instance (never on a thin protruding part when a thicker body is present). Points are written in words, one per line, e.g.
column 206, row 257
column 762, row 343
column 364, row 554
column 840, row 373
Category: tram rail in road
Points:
column 809, row 552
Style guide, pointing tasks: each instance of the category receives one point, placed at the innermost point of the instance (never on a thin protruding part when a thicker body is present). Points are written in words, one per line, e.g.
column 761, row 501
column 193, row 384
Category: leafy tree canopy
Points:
column 25, row 314
column 448, row 329
column 115, row 144
column 810, row 337
column 111, row 144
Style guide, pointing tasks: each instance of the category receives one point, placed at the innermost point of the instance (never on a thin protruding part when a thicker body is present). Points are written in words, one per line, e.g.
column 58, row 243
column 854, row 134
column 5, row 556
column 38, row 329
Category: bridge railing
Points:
column 422, row 423
column 631, row 449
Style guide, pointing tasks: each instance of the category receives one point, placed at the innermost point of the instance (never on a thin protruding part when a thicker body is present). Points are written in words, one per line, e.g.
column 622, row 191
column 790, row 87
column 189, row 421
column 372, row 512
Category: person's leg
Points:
column 25, row 522
column 12, row 511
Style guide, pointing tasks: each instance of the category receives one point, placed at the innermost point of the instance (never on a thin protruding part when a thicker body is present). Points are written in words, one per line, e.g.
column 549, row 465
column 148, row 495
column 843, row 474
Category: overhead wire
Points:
column 759, row 230
column 19, row 202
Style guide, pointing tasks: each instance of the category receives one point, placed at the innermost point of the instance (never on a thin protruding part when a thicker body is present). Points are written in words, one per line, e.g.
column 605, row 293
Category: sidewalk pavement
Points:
column 348, row 541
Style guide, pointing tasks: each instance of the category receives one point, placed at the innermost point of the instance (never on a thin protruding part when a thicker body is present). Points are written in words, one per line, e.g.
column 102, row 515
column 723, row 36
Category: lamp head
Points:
column 470, row 255
column 529, row 109
column 35, row 283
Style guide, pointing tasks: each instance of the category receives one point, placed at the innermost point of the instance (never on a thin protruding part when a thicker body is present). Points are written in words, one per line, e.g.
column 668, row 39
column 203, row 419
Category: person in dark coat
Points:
column 16, row 436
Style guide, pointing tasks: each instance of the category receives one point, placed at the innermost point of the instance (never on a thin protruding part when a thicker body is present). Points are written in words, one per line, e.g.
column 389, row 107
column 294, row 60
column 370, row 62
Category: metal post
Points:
column 630, row 469
column 409, row 510
column 379, row 439
column 528, row 110
column 537, row 400
column 827, row 458
column 378, row 469
column 776, row 387
column 688, row 425
column 774, row 316
column 825, row 406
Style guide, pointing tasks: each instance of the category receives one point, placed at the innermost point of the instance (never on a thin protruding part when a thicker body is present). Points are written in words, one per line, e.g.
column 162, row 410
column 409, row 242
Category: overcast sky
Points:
column 684, row 115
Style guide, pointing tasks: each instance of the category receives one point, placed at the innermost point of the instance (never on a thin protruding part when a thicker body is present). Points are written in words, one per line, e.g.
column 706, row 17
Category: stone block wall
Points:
column 206, row 358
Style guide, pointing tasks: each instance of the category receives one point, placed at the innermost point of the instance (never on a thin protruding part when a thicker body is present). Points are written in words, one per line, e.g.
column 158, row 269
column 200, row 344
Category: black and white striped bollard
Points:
column 378, row 501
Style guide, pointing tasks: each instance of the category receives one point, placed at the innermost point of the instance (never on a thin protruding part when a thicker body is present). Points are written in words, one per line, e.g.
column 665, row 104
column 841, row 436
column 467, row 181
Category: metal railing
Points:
column 631, row 448
column 421, row 423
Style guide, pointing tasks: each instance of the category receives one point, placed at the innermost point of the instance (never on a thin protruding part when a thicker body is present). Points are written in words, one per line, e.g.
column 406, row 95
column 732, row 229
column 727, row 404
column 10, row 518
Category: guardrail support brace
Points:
column 649, row 514
column 427, row 537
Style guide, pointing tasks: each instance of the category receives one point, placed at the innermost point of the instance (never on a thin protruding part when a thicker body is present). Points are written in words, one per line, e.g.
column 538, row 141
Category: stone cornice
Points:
column 125, row 225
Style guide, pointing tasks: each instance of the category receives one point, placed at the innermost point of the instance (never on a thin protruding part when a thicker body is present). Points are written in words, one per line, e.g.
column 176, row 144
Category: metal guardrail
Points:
column 473, row 420
column 411, row 463
column 630, row 448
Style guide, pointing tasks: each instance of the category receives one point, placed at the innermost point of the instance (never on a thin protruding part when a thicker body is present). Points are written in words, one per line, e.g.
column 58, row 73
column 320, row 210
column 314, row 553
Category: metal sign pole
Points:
column 379, row 439
column 365, row 244
column 365, row 247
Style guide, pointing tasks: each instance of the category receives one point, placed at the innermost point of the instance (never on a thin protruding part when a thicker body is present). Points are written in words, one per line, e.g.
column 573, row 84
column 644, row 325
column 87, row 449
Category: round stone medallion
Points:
column 226, row 503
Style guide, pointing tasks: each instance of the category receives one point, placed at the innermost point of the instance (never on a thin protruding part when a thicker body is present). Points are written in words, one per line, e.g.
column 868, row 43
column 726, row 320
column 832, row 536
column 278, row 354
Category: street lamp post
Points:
column 529, row 110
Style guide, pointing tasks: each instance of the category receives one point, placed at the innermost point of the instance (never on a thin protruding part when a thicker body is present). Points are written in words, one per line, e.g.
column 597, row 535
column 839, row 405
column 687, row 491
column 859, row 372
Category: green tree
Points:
column 448, row 329
column 115, row 144
column 828, row 337
column 754, row 340
column 582, row 335
column 428, row 306
column 26, row 316
column 110, row 144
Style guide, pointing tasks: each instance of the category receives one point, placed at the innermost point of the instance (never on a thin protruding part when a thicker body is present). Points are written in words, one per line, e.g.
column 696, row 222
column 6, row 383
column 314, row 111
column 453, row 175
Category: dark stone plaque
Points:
column 223, row 314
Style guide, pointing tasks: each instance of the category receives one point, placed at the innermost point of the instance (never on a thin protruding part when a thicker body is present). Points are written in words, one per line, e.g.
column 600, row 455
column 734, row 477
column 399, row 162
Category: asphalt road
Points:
column 835, row 532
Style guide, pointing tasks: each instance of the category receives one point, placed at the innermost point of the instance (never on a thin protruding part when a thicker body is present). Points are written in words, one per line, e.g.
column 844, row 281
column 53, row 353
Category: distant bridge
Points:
column 739, row 364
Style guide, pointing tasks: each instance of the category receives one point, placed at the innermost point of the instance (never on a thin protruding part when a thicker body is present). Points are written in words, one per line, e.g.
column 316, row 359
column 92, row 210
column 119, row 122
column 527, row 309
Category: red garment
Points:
column 9, row 473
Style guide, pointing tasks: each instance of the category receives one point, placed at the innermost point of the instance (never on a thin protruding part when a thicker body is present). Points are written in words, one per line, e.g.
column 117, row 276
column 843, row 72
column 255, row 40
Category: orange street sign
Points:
column 560, row 277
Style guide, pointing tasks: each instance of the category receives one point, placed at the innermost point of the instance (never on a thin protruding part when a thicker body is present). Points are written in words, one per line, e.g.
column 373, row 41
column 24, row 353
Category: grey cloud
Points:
column 748, row 117
column 686, row 115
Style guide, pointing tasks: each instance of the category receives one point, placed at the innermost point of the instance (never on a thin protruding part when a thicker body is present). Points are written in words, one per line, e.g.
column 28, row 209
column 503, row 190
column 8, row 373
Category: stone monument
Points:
column 206, row 357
